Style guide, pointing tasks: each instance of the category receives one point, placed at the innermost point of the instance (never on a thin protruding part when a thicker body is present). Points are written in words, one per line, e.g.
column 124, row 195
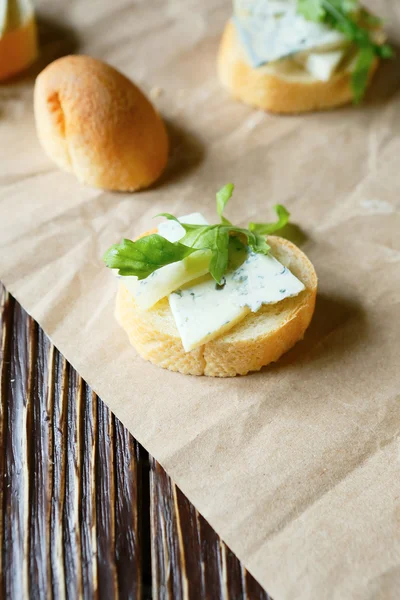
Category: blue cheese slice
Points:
column 147, row 292
column 272, row 29
column 204, row 310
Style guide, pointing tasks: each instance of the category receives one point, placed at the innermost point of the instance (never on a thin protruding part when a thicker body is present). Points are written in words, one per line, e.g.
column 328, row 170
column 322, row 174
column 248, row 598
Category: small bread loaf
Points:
column 94, row 122
column 279, row 87
column 261, row 338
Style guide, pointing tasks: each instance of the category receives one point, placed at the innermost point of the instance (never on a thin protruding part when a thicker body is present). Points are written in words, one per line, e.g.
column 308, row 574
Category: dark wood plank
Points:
column 70, row 517
column 58, row 401
column 105, row 509
column 4, row 360
column 253, row 590
column 64, row 533
column 87, row 509
column 211, row 558
column 39, row 465
column 127, row 532
column 168, row 566
column 83, row 512
column 236, row 574
column 189, row 559
column 16, row 375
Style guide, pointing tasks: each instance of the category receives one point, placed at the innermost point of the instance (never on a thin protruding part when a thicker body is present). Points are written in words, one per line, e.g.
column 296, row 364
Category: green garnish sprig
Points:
column 149, row 253
column 347, row 17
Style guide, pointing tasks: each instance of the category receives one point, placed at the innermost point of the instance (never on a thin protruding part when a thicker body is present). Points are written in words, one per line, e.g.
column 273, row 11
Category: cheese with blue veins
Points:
column 205, row 310
column 202, row 309
column 147, row 292
column 272, row 29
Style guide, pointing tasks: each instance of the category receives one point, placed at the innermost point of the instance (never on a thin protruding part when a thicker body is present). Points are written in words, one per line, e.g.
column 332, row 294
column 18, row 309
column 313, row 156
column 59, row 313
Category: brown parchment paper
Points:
column 296, row 467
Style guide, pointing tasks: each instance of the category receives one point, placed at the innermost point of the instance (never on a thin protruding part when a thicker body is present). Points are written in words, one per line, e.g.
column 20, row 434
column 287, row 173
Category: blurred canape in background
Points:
column 18, row 36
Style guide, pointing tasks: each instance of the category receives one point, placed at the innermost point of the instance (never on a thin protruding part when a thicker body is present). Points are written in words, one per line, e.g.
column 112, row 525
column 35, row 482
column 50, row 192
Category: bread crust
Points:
column 155, row 337
column 94, row 122
column 274, row 90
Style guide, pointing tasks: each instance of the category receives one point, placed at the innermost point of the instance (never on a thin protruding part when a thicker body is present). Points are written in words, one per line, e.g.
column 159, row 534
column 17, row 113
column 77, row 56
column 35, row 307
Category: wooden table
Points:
column 84, row 510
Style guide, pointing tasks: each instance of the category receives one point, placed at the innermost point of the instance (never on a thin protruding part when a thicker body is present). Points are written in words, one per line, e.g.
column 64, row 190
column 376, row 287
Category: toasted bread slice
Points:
column 259, row 339
column 282, row 86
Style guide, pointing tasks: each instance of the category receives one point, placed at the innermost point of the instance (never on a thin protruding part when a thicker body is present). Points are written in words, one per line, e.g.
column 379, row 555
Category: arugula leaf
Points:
column 223, row 196
column 144, row 256
column 214, row 238
column 259, row 244
column 311, row 9
column 256, row 242
column 369, row 19
column 198, row 236
column 359, row 79
column 220, row 254
column 268, row 228
column 385, row 51
column 168, row 216
column 348, row 17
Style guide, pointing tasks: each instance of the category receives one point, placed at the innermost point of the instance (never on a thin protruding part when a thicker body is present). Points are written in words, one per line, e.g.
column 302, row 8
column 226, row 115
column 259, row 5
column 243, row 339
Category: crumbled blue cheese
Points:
column 272, row 29
column 165, row 280
column 205, row 310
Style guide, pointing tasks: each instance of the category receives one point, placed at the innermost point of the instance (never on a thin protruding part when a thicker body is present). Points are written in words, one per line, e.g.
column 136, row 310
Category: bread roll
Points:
column 279, row 87
column 94, row 122
column 261, row 338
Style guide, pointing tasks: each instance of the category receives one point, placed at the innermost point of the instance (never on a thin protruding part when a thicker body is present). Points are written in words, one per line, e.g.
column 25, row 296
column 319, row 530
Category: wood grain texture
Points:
column 64, row 532
column 84, row 512
column 189, row 560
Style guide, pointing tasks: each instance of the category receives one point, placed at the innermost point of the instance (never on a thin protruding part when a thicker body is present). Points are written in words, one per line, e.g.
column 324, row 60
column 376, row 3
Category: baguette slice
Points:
column 259, row 339
column 282, row 86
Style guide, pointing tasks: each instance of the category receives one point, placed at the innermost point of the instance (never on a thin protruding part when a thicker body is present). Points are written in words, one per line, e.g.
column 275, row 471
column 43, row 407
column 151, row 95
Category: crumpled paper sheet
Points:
column 296, row 467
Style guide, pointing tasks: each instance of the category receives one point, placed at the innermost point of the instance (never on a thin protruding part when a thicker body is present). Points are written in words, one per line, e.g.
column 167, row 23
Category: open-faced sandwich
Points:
column 214, row 300
column 292, row 56
column 18, row 36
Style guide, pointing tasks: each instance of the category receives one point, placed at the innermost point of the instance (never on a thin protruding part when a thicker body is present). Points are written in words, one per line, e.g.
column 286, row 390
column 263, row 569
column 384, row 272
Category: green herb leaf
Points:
column 167, row 216
column 210, row 237
column 216, row 239
column 360, row 75
column 354, row 22
column 385, row 51
column 220, row 255
column 144, row 256
column 198, row 236
column 268, row 228
column 348, row 6
column 369, row 19
column 223, row 196
column 312, row 10
column 259, row 244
